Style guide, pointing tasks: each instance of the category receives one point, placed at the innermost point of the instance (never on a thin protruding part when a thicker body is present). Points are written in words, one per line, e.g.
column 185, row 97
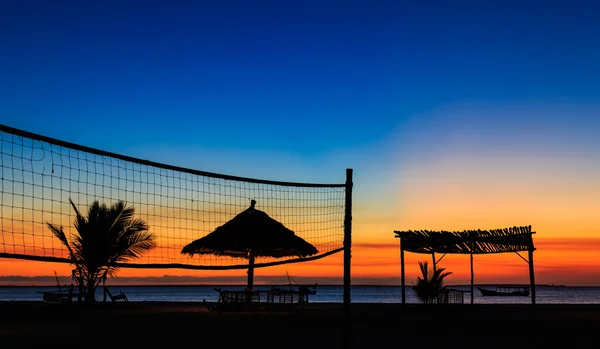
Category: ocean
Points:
column 325, row 294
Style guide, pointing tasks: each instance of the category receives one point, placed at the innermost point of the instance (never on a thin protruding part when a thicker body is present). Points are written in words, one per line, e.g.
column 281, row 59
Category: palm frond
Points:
column 137, row 225
column 424, row 270
column 79, row 218
column 140, row 243
column 62, row 237
column 74, row 207
column 120, row 216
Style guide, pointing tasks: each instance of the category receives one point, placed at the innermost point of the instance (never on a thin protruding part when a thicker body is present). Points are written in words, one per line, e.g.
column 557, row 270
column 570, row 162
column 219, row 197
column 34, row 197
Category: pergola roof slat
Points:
column 512, row 239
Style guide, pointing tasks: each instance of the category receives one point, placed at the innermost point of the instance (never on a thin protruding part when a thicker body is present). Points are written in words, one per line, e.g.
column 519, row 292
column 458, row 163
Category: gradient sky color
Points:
column 453, row 115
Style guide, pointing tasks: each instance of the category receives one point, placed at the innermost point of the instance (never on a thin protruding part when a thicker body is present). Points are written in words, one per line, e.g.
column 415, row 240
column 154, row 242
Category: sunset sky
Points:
column 453, row 115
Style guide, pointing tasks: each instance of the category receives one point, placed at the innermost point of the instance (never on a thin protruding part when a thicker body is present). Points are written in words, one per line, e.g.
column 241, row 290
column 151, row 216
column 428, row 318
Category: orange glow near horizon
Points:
column 557, row 261
column 375, row 252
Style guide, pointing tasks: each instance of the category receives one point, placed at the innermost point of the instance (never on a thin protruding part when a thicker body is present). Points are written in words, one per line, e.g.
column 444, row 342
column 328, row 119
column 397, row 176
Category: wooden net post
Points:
column 347, row 330
column 347, row 238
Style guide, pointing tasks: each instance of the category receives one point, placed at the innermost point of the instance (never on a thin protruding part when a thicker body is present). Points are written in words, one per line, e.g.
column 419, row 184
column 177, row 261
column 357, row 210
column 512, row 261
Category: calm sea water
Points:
column 328, row 294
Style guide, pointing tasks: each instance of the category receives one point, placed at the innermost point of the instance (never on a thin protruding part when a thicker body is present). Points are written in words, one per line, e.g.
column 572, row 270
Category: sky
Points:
column 453, row 115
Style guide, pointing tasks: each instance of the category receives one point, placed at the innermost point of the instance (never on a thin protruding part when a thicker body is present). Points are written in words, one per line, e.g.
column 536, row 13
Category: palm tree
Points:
column 430, row 284
column 105, row 237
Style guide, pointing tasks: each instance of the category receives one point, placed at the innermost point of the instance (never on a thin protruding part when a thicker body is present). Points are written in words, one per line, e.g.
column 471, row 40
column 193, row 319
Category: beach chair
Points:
column 235, row 300
column 120, row 296
column 222, row 303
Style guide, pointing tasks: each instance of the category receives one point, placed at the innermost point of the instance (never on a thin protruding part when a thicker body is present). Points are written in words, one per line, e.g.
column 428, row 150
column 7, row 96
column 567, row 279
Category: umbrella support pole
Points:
column 251, row 273
column 250, row 286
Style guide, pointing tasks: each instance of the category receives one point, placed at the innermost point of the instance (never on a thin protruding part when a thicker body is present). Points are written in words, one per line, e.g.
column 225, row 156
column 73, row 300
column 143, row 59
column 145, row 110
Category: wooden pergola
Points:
column 471, row 242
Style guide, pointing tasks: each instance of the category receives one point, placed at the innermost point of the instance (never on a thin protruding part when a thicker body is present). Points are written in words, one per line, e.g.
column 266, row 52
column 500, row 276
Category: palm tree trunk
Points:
column 80, row 285
column 90, row 296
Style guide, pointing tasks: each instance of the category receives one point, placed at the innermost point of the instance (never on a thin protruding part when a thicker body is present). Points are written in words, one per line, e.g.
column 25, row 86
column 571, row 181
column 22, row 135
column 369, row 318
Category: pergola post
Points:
column 472, row 278
column 402, row 275
column 531, row 273
column 434, row 262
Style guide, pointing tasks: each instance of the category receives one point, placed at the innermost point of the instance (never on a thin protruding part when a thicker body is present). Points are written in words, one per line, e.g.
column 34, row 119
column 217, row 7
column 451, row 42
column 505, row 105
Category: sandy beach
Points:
column 153, row 324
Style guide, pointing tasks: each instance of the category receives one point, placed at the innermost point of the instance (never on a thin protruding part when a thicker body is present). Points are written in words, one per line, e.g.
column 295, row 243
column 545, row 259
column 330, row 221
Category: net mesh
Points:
column 39, row 175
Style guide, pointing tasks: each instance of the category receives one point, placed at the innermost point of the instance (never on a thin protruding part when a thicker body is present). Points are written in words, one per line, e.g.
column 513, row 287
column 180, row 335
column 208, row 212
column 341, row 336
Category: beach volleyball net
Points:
column 40, row 174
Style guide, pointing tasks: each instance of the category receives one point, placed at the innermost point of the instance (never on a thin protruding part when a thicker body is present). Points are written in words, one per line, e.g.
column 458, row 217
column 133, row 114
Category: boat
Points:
column 64, row 295
column 292, row 292
column 505, row 291
column 304, row 289
column 57, row 297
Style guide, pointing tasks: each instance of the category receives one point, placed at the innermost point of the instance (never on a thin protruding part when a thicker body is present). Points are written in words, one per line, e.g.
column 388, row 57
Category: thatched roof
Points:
column 469, row 241
column 251, row 231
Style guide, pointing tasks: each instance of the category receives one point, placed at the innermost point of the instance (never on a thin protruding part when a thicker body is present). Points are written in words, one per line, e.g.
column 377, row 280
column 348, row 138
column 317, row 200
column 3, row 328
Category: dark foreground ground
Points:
column 175, row 325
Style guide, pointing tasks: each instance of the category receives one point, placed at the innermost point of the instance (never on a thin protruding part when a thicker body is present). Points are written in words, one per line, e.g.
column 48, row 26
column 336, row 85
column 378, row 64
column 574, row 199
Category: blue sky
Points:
column 301, row 90
column 454, row 115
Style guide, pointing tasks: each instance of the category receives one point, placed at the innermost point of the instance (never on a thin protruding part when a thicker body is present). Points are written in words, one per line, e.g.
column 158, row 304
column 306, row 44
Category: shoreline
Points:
column 25, row 324
column 296, row 285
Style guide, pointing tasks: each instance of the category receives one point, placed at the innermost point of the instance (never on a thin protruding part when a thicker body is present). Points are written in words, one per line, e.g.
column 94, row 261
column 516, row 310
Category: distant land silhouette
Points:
column 48, row 280
column 16, row 280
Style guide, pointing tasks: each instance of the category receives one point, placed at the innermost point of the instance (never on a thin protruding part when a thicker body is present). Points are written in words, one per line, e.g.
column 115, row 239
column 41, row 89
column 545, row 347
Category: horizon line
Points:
column 268, row 280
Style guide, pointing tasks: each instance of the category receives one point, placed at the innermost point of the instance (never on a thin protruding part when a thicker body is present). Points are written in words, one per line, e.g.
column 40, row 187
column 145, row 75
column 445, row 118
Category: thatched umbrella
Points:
column 250, row 234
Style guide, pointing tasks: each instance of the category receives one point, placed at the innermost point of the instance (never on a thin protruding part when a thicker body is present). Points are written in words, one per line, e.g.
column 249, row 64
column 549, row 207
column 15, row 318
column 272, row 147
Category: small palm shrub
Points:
column 430, row 283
